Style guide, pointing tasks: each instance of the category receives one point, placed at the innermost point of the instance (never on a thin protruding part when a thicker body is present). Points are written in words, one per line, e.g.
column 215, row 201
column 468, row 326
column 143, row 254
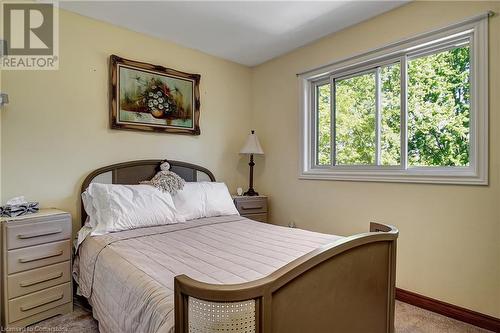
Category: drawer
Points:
column 251, row 206
column 37, row 279
column 49, row 229
column 38, row 256
column 20, row 325
column 256, row 217
column 40, row 301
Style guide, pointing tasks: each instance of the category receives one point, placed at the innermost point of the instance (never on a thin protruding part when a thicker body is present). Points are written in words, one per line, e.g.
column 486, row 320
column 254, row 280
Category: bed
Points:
column 231, row 274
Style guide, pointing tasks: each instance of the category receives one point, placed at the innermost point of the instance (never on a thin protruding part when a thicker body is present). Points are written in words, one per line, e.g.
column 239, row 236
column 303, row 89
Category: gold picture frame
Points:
column 153, row 98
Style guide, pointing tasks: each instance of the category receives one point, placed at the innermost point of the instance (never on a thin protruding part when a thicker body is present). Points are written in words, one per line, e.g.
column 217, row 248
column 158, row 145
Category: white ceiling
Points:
column 245, row 32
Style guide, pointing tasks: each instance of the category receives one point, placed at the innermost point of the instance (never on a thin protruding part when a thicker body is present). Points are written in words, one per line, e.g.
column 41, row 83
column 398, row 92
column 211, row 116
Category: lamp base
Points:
column 251, row 192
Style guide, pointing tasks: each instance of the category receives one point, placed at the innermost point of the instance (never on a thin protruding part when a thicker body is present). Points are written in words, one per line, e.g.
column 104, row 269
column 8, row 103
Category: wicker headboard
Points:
column 130, row 173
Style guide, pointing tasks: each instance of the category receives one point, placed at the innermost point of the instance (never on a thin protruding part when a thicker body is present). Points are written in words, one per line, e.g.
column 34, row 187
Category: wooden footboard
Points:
column 346, row 287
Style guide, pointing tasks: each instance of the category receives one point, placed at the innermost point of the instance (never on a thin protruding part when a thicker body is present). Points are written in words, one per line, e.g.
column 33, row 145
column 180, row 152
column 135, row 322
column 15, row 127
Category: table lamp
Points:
column 252, row 147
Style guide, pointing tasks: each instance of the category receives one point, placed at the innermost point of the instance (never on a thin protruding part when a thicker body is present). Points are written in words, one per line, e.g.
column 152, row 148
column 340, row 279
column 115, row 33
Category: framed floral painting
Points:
column 147, row 97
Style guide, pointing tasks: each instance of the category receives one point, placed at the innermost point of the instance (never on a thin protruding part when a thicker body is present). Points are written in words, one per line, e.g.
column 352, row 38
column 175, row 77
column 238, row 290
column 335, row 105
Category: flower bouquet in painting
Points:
column 157, row 99
column 149, row 97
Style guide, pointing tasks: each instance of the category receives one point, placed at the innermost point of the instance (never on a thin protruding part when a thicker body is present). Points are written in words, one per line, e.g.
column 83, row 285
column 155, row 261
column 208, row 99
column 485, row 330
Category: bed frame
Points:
column 347, row 286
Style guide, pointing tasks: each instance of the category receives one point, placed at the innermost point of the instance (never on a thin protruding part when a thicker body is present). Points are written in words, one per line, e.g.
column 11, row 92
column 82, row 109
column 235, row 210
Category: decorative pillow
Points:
column 122, row 207
column 204, row 199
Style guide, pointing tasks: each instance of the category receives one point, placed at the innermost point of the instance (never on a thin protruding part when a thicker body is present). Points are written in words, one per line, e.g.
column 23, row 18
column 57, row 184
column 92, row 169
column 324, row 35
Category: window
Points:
column 415, row 111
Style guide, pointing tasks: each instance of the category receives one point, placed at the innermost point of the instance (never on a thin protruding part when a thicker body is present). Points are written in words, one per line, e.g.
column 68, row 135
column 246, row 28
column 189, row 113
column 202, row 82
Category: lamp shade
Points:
column 252, row 145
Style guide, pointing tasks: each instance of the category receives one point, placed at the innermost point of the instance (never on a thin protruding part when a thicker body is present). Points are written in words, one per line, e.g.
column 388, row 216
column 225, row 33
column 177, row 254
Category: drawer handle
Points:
column 42, row 302
column 39, row 233
column 46, row 278
column 45, row 256
column 253, row 207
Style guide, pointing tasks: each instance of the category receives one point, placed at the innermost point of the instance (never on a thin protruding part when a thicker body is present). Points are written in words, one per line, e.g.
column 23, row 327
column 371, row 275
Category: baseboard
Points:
column 449, row 310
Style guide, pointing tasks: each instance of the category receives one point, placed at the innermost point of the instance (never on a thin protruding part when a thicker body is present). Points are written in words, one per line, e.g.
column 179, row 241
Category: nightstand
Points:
column 252, row 207
column 36, row 267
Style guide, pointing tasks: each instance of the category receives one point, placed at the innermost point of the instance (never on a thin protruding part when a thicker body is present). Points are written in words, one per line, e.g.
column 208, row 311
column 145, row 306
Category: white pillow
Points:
column 89, row 208
column 204, row 199
column 122, row 207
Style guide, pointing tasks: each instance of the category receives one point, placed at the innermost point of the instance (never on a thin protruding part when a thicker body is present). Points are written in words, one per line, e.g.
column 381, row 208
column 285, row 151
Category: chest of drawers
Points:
column 36, row 267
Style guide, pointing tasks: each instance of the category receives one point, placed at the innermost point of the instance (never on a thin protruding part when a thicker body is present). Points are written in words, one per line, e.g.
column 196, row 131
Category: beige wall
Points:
column 55, row 130
column 449, row 246
column 1, row 114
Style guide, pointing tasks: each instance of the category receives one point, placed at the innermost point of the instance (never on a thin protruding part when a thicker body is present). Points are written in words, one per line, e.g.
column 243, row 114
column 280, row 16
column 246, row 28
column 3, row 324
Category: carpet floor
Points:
column 409, row 319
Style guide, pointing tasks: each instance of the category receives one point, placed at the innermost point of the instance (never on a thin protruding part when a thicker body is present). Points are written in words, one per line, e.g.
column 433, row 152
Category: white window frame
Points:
column 475, row 29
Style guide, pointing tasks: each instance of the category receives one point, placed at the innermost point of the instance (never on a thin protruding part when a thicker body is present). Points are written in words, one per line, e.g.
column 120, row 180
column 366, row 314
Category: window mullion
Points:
column 333, row 146
column 314, row 124
column 378, row 108
column 404, row 112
